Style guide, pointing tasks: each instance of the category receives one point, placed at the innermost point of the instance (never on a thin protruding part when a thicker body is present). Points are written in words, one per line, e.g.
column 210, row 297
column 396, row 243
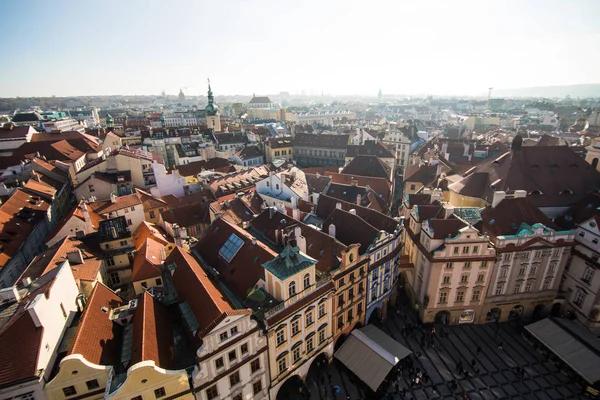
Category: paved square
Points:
column 492, row 372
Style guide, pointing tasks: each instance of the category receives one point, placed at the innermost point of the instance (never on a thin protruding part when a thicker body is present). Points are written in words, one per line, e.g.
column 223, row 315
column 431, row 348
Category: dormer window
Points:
column 292, row 289
column 566, row 191
column 535, row 192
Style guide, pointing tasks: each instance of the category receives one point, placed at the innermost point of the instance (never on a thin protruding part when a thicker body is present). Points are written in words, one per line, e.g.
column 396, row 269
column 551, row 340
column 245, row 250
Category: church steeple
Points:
column 211, row 108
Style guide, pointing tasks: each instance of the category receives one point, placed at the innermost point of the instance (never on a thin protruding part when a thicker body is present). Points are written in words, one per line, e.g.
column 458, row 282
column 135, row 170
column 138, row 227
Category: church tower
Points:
column 213, row 119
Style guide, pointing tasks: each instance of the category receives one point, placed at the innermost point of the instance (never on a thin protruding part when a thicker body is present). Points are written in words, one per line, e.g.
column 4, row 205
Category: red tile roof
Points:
column 351, row 229
column 148, row 261
column 76, row 212
column 121, row 202
column 195, row 287
column 146, row 230
column 245, row 269
column 98, row 338
column 152, row 334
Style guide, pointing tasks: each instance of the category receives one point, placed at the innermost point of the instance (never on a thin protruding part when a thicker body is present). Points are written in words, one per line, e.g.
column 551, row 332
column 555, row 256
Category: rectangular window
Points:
column 456, row 250
column 234, row 331
column 322, row 335
column 446, row 279
column 476, row 295
column 257, row 387
column 533, row 269
column 340, row 321
column 244, row 348
column 93, row 384
column 282, row 365
column 499, row 289
column 280, row 337
column 232, row 355
column 309, row 345
column 480, row 278
column 521, row 271
column 460, row 296
column 219, row 363
column 475, row 249
column 341, row 300
column 503, row 272
column 158, row 281
column 467, row 265
column 449, row 265
column 309, row 318
column 223, row 336
column 69, row 391
column 255, row 365
column 296, row 354
column 359, row 308
column 152, row 215
column 537, row 254
column 464, row 279
column 160, row 392
column 507, row 257
column 212, row 393
column 484, row 264
column 579, row 299
column 517, row 288
column 465, row 250
column 588, row 275
column 129, row 222
column 443, row 297
column 234, row 378
column 295, row 328
column 350, row 294
column 321, row 310
column 528, row 287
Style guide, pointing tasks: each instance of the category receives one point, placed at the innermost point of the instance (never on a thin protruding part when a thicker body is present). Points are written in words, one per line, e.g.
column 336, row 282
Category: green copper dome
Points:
column 109, row 118
column 211, row 108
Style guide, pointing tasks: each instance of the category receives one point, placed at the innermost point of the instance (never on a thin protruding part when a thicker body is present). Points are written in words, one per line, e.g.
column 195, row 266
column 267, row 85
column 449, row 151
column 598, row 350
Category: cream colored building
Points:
column 300, row 326
column 452, row 261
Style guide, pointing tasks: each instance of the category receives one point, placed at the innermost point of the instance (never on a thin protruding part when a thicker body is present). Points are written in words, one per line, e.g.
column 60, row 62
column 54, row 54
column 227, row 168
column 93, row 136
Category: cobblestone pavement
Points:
column 496, row 379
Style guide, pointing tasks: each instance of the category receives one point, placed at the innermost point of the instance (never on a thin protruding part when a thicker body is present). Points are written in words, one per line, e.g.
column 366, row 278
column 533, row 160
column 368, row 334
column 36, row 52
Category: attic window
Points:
column 535, row 192
column 566, row 191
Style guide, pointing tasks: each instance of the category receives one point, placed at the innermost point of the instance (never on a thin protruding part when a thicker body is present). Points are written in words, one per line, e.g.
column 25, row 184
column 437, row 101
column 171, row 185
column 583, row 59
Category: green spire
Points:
column 211, row 108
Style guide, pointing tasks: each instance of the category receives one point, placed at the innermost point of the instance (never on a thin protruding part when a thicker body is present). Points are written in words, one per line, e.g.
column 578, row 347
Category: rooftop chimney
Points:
column 353, row 211
column 517, row 143
column 26, row 282
column 498, row 197
column 271, row 212
column 332, row 230
column 86, row 218
column 75, row 257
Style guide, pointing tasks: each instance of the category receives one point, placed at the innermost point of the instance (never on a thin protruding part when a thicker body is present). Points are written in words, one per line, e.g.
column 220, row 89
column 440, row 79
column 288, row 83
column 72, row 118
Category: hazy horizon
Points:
column 264, row 47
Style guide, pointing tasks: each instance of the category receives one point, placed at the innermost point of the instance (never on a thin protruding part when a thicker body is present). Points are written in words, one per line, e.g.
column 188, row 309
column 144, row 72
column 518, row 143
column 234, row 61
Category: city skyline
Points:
column 342, row 48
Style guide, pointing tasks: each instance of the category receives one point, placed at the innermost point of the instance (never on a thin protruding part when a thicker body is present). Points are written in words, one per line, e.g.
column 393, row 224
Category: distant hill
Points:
column 582, row 91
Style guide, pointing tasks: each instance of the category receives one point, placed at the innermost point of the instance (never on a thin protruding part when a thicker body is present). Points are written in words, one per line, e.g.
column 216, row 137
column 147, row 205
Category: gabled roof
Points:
column 77, row 213
column 328, row 141
column 249, row 152
column 235, row 211
column 350, row 193
column 545, row 172
column 187, row 215
column 216, row 164
column 27, row 117
column 289, row 262
column 365, row 165
column 148, row 261
column 424, row 174
column 351, row 229
column 242, row 272
column 57, row 254
column 152, row 334
column 380, row 221
column 369, row 148
column 509, row 215
column 121, row 202
column 231, row 137
column 150, row 202
column 445, row 228
column 317, row 183
column 40, row 188
column 196, row 289
column 146, row 230
column 98, row 338
column 260, row 100
column 320, row 246
column 60, row 151
column 20, row 362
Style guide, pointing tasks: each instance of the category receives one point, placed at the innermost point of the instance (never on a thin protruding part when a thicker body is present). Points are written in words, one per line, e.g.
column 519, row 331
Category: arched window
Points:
column 306, row 281
column 292, row 289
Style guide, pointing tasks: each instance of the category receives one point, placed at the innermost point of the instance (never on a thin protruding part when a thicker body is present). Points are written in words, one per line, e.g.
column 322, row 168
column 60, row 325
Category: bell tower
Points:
column 213, row 119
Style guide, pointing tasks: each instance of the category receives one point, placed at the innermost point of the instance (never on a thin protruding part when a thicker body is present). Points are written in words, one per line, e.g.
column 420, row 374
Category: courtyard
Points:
column 491, row 373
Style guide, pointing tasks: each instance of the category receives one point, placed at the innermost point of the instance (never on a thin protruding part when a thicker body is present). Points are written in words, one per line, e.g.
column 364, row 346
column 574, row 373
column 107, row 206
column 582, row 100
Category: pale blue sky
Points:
column 265, row 46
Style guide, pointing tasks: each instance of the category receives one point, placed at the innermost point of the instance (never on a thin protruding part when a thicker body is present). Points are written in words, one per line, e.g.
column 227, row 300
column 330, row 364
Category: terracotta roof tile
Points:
column 351, row 229
column 152, row 334
column 146, row 230
column 106, row 206
column 98, row 338
column 245, row 268
column 194, row 287
column 148, row 261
